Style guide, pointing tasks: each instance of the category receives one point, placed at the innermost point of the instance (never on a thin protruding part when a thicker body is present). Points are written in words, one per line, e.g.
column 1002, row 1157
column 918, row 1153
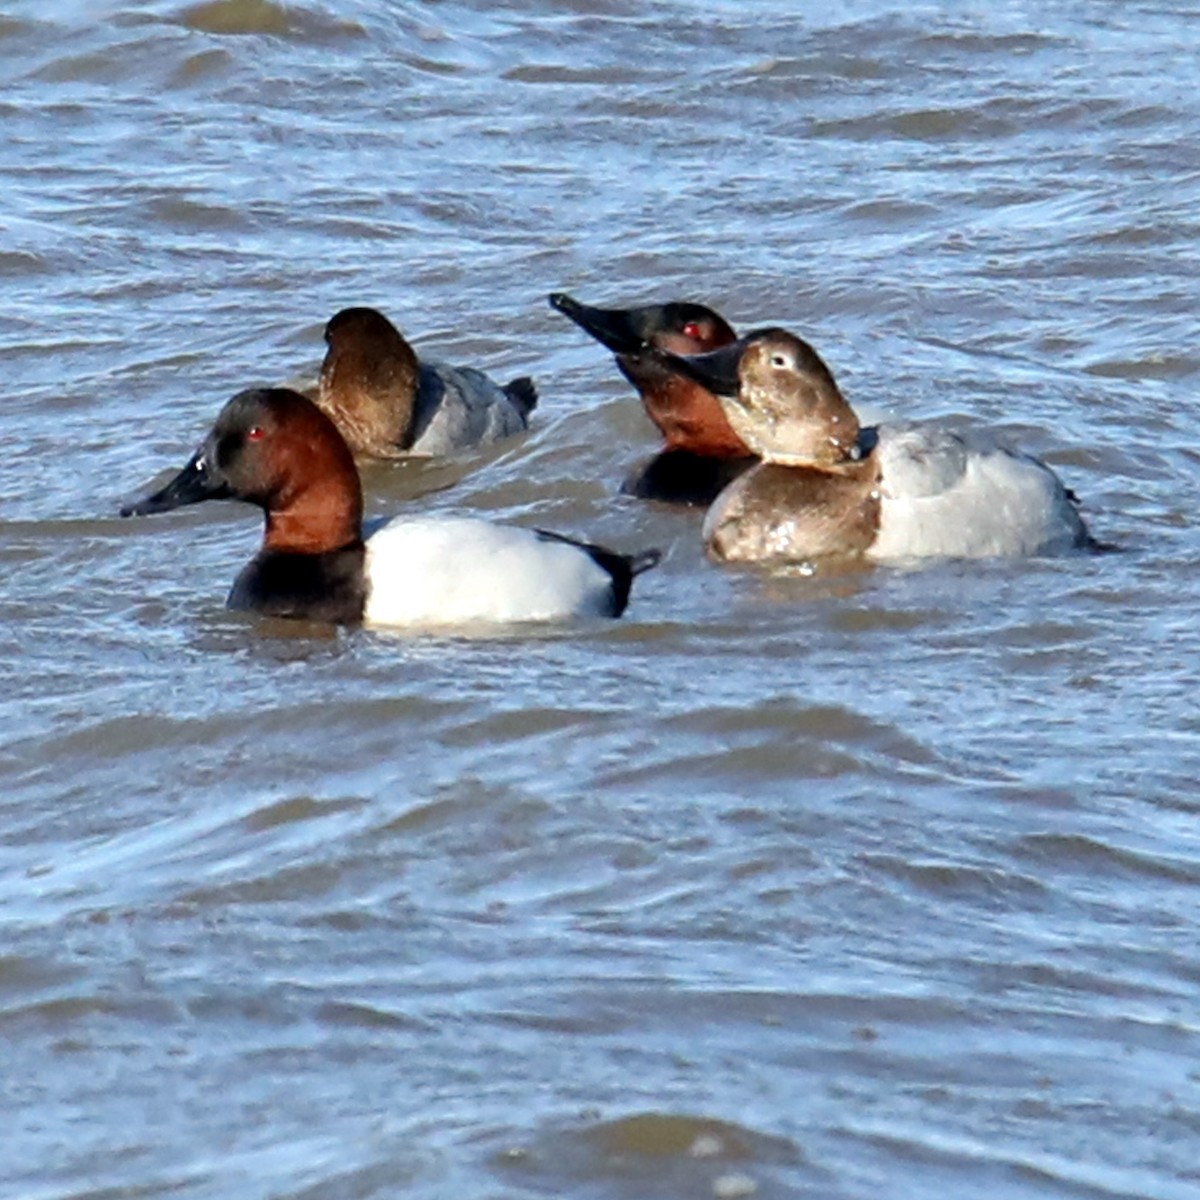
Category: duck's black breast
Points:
column 681, row 477
column 312, row 587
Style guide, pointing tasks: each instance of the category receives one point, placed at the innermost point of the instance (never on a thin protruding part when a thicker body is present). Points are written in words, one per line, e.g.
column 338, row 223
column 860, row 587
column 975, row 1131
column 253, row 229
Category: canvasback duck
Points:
column 389, row 404
column 701, row 451
column 828, row 487
column 275, row 449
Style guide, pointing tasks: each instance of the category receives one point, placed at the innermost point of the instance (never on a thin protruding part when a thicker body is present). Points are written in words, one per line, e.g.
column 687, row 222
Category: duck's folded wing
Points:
column 919, row 460
column 963, row 494
column 458, row 407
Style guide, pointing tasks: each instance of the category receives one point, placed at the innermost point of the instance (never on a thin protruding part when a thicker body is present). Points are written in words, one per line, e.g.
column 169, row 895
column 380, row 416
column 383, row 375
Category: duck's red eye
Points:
column 255, row 434
column 692, row 330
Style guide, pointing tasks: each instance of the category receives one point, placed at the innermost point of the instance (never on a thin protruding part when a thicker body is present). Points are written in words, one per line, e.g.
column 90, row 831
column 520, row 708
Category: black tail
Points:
column 640, row 563
column 1090, row 543
column 623, row 568
column 523, row 394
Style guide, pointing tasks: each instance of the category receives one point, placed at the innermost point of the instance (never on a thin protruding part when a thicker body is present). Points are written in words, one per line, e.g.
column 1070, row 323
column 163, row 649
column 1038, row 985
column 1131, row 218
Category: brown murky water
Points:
column 884, row 884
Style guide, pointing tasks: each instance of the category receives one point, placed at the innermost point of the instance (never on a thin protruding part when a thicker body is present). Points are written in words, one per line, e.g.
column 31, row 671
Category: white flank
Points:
column 429, row 571
column 962, row 495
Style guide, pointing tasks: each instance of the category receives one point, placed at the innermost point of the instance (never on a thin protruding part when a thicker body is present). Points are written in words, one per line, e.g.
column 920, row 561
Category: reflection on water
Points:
column 653, row 1154
column 861, row 883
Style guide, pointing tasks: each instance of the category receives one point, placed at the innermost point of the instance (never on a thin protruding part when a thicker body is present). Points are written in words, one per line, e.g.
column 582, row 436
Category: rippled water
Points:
column 875, row 884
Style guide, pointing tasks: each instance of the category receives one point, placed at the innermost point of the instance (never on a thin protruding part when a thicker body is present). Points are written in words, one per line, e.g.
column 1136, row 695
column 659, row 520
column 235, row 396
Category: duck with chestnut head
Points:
column 701, row 452
column 388, row 403
column 273, row 448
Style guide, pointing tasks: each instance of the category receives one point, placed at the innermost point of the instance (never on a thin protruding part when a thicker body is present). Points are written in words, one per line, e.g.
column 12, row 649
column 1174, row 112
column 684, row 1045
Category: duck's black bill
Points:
column 196, row 482
column 717, row 371
column 618, row 329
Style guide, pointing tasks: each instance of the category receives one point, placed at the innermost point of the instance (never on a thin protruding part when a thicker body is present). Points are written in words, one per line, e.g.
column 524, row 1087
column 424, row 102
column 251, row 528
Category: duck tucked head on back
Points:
column 389, row 404
column 828, row 487
column 701, row 451
column 275, row 449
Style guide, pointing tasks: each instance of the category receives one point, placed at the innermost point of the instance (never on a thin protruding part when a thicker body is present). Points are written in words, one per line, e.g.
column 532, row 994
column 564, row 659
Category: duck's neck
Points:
column 833, row 432
column 834, row 443
column 851, row 456
column 808, row 424
column 317, row 518
column 688, row 416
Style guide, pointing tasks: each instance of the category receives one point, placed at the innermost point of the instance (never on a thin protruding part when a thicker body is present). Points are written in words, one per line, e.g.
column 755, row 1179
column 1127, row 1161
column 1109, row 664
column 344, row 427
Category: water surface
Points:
column 880, row 883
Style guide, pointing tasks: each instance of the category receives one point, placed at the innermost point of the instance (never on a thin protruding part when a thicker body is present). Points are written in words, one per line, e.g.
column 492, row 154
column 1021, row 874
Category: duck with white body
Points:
column 275, row 449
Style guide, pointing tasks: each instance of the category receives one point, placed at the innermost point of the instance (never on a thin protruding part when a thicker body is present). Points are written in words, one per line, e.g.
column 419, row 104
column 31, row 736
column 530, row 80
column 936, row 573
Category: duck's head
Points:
column 273, row 448
column 678, row 326
column 368, row 380
column 688, row 416
column 780, row 398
